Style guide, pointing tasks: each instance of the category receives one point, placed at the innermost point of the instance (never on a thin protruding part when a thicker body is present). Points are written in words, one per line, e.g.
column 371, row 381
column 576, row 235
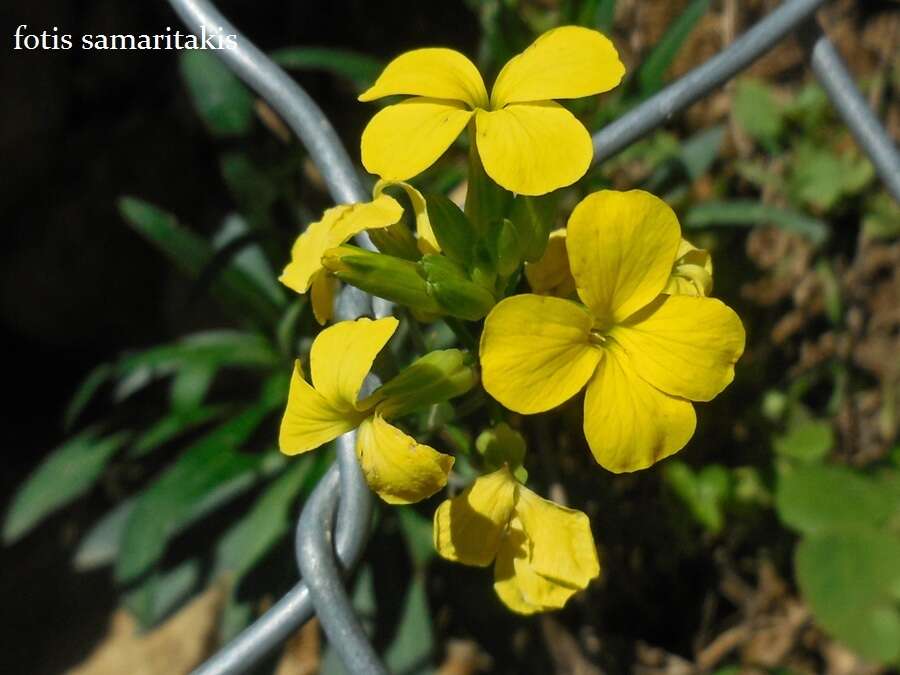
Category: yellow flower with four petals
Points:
column 338, row 225
column 543, row 553
column 528, row 143
column 643, row 354
column 396, row 467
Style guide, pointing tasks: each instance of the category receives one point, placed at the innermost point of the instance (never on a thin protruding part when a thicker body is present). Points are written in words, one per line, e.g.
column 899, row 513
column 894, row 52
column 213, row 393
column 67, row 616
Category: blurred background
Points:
column 149, row 197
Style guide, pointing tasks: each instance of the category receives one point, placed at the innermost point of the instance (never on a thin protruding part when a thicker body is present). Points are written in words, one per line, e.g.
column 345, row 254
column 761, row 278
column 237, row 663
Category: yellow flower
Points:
column 692, row 273
column 528, row 143
column 337, row 226
column 396, row 467
column 543, row 553
column 643, row 354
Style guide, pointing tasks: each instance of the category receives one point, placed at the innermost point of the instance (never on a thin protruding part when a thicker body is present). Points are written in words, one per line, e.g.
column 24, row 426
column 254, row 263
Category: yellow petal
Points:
column 324, row 287
column 535, row 352
column 338, row 224
column 396, row 467
column 551, row 274
column 561, row 545
column 629, row 424
column 403, row 140
column 692, row 273
column 427, row 242
column 434, row 72
column 342, row 355
column 685, row 346
column 533, row 148
column 566, row 62
column 306, row 253
column 521, row 588
column 621, row 249
column 309, row 419
column 468, row 528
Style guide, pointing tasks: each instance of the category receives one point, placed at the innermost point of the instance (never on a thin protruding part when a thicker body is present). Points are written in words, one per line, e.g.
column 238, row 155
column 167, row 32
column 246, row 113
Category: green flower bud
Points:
column 502, row 445
column 383, row 275
column 433, row 378
column 454, row 291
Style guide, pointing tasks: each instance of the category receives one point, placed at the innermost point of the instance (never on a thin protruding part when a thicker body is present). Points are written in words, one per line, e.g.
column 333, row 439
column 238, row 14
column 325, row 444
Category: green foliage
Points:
column 69, row 472
column 749, row 213
column 704, row 493
column 224, row 104
column 359, row 69
column 758, row 112
column 652, row 71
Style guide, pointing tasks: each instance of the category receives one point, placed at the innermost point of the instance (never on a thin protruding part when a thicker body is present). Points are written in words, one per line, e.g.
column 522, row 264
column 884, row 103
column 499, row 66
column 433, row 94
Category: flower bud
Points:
column 433, row 378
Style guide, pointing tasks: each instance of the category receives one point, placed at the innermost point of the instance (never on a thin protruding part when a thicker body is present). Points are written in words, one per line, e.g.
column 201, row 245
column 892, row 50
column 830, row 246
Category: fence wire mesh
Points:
column 333, row 526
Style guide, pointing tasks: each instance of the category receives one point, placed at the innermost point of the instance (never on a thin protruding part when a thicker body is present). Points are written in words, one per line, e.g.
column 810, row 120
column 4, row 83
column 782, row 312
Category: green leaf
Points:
column 806, row 440
column 225, row 104
column 246, row 542
column 416, row 531
column 191, row 385
column 69, row 472
column 100, row 545
column 746, row 213
column 162, row 592
column 208, row 473
column 250, row 259
column 453, row 231
column 818, row 498
column 652, row 71
column 704, row 493
column 360, row 69
column 232, row 287
column 757, row 111
column 846, row 577
column 820, row 177
column 448, row 284
column 86, row 392
column 411, row 650
column 215, row 348
column 173, row 425
column 534, row 218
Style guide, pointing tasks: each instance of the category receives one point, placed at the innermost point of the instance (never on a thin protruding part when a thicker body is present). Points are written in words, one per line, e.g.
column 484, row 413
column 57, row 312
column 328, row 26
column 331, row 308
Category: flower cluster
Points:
column 619, row 307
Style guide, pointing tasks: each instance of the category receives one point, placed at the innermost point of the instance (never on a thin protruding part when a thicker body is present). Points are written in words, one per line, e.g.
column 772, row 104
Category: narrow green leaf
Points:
column 173, row 425
column 224, row 104
column 162, row 592
column 271, row 517
column 250, row 258
column 652, row 71
column 217, row 348
column 100, row 545
column 360, row 69
column 65, row 475
column 208, row 473
column 411, row 650
column 748, row 213
column 86, row 392
column 232, row 287
column 416, row 531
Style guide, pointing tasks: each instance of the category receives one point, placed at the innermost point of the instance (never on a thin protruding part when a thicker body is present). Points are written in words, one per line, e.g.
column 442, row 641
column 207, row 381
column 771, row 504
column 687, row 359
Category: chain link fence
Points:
column 332, row 529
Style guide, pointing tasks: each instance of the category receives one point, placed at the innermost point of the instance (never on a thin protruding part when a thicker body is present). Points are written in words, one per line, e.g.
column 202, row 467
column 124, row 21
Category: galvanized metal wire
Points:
column 333, row 526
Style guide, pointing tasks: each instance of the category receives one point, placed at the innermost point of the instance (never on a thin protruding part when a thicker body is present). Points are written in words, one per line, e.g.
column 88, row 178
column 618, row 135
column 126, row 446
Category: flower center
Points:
column 597, row 337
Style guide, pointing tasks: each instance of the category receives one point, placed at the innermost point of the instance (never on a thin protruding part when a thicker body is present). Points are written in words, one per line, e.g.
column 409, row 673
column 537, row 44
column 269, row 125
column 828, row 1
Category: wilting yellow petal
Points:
column 533, row 148
column 324, row 287
column 536, row 352
column 403, row 140
column 434, row 72
column 561, row 546
column 309, row 419
column 621, row 249
column 306, row 253
column 468, row 528
column 692, row 273
column 551, row 274
column 396, row 467
column 628, row 423
column 342, row 355
column 427, row 242
column 683, row 345
column 338, row 224
column 566, row 62
column 518, row 584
